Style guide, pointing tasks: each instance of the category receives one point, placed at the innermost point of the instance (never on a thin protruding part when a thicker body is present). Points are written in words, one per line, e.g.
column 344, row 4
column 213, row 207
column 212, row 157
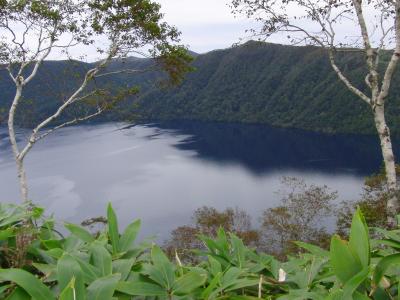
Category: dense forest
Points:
column 255, row 82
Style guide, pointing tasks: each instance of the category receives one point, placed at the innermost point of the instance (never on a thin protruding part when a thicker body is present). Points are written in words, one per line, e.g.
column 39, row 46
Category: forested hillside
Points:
column 255, row 83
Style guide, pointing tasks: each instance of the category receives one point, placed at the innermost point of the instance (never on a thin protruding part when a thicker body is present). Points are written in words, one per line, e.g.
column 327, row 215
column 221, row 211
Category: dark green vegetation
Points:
column 256, row 83
column 37, row 262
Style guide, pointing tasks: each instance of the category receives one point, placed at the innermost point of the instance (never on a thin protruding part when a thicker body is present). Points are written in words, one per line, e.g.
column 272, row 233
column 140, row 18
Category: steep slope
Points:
column 254, row 83
column 274, row 84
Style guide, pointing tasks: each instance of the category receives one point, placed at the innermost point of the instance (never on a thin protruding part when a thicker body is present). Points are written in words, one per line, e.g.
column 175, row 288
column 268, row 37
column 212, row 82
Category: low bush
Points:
column 37, row 262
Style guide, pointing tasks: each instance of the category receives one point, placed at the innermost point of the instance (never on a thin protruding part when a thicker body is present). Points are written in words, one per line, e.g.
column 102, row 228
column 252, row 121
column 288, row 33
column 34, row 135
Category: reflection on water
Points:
column 162, row 172
column 263, row 149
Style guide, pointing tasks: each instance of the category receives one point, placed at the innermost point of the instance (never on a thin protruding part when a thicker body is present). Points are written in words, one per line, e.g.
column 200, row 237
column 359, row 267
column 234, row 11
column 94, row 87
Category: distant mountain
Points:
column 256, row 82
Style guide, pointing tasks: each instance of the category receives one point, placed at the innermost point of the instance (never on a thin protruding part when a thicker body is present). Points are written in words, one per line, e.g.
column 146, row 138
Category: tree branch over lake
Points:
column 310, row 22
column 31, row 31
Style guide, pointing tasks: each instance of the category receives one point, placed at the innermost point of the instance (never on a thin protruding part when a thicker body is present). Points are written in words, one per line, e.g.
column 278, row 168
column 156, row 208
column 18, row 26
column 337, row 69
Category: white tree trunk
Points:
column 23, row 184
column 390, row 166
column 13, row 140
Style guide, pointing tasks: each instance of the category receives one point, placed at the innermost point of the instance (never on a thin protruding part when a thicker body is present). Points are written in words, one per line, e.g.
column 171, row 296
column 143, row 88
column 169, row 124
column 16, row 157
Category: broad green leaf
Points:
column 230, row 276
column 19, row 294
column 51, row 244
column 68, row 269
column 80, row 232
column 343, row 262
column 212, row 286
column 49, row 270
column 352, row 284
column 103, row 288
column 6, row 233
column 383, row 265
column 137, row 288
column 390, row 243
column 113, row 228
column 163, row 265
column 188, row 282
column 241, row 283
column 315, row 250
column 69, row 292
column 155, row 274
column 55, row 252
column 123, row 267
column 129, row 236
column 101, row 259
column 33, row 286
column 215, row 266
column 90, row 272
column 359, row 239
column 238, row 250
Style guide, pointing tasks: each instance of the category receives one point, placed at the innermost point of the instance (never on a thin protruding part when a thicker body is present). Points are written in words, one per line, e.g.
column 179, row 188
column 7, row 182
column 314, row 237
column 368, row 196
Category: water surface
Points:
column 162, row 172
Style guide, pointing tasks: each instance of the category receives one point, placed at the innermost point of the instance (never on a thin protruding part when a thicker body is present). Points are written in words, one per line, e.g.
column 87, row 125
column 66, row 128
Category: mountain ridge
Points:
column 256, row 82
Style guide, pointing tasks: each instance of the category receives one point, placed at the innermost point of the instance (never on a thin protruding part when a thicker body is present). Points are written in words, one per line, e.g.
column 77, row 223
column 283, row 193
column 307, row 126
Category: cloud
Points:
column 205, row 25
column 188, row 12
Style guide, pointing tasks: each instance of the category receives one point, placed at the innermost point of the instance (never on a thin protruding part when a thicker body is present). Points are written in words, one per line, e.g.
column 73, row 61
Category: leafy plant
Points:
column 112, row 265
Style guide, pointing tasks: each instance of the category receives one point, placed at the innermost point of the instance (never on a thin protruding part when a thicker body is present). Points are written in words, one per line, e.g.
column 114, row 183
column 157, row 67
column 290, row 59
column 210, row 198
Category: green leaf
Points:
column 4, row 288
column 123, row 267
column 33, row 286
column 103, row 288
column 129, row 236
column 51, row 244
column 90, row 272
column 343, row 262
column 359, row 239
column 19, row 294
column 113, row 228
column 141, row 289
column 37, row 212
column 383, row 265
column 6, row 233
column 241, row 283
column 315, row 250
column 215, row 266
column 68, row 269
column 80, row 232
column 101, row 259
column 188, row 282
column 238, row 250
column 49, row 270
column 69, row 291
column 230, row 276
column 212, row 286
column 163, row 265
column 352, row 284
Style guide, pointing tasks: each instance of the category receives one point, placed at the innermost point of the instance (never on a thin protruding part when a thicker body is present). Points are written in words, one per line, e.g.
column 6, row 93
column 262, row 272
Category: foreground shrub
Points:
column 113, row 265
column 207, row 221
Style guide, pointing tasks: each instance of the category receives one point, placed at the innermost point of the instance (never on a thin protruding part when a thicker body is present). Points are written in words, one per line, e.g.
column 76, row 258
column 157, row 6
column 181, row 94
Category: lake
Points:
column 162, row 172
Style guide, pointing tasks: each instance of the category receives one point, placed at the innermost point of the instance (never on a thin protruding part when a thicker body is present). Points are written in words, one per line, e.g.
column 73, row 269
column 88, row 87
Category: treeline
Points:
column 254, row 83
column 307, row 212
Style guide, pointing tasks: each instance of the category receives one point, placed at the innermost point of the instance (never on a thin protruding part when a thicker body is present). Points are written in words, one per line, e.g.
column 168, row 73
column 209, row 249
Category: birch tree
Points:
column 321, row 23
column 31, row 31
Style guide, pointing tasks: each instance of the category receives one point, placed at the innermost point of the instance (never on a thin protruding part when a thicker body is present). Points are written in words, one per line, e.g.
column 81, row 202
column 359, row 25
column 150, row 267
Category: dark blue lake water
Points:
column 162, row 172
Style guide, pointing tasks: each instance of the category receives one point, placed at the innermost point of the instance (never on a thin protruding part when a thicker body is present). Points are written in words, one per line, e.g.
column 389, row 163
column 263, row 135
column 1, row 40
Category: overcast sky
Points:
column 205, row 25
column 209, row 24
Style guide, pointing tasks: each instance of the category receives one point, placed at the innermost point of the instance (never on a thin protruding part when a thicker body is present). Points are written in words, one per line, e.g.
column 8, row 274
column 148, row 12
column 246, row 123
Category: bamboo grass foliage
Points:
column 38, row 262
